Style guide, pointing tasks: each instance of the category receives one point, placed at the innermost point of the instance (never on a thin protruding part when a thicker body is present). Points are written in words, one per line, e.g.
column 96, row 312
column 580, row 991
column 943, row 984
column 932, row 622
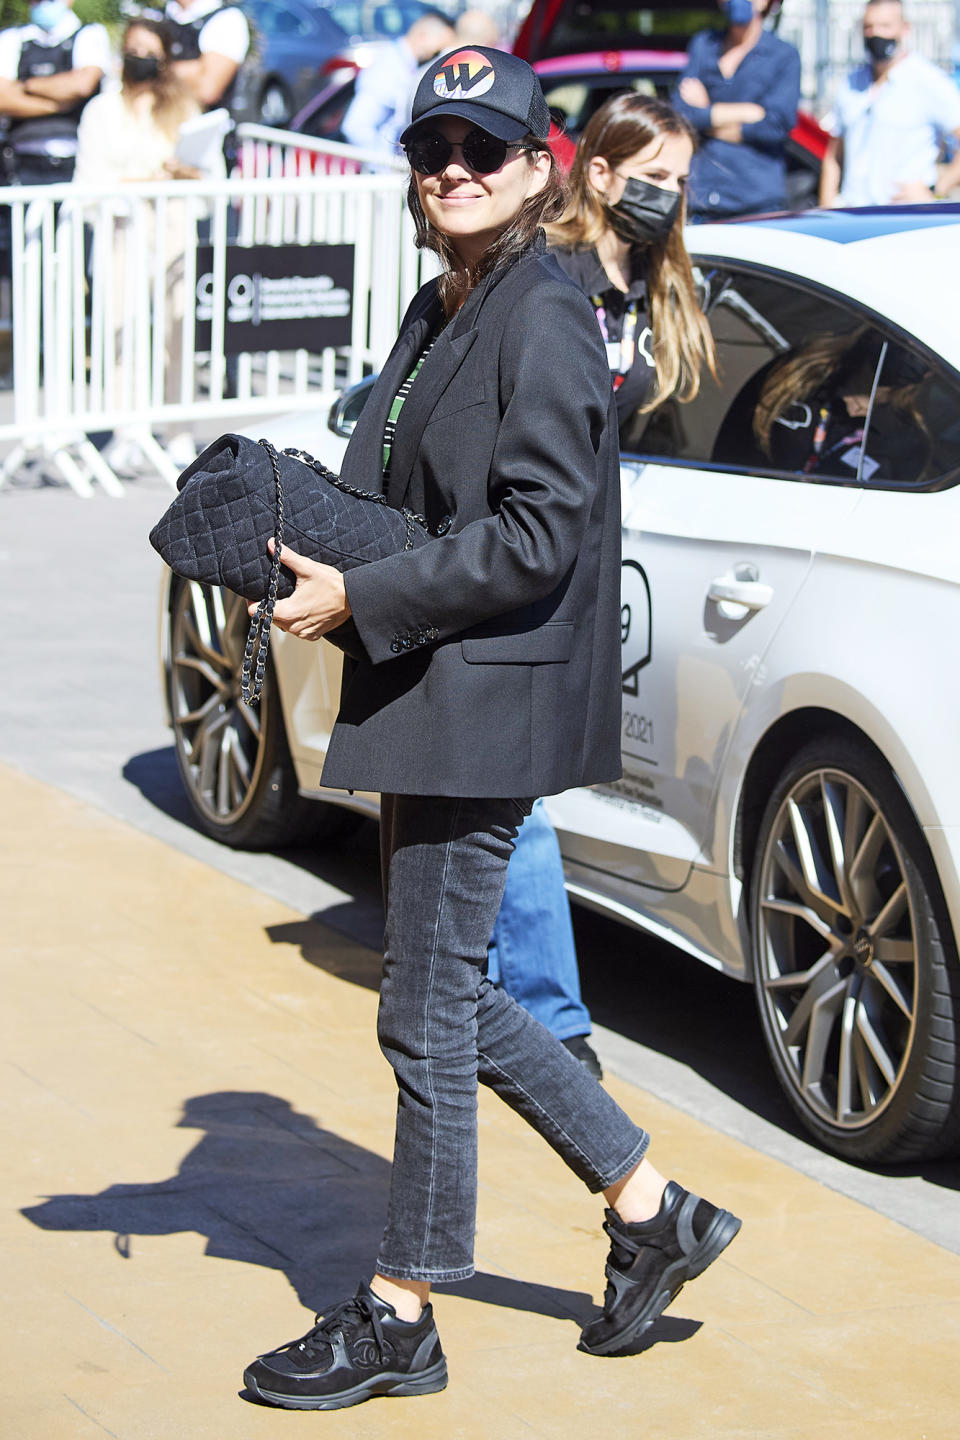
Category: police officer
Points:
column 210, row 43
column 49, row 69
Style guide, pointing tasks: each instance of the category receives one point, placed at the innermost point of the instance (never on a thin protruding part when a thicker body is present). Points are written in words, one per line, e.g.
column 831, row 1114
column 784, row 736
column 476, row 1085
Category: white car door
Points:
column 714, row 554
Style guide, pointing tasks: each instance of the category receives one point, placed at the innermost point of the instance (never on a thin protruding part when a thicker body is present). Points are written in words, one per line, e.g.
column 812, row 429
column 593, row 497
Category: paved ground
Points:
column 198, row 1127
column 199, row 1116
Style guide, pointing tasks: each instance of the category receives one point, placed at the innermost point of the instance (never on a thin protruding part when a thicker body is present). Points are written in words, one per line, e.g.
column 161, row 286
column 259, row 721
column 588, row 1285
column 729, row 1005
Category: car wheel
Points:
column 854, row 965
column 275, row 104
column 233, row 758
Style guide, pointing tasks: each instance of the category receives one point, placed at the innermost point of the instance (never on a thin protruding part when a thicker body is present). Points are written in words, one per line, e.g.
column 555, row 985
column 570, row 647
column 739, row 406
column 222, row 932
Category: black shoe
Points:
column 650, row 1261
column 360, row 1349
column 580, row 1050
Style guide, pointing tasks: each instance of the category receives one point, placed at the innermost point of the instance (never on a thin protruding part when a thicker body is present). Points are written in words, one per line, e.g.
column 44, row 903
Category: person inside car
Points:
column 620, row 240
column 825, row 411
column 492, row 675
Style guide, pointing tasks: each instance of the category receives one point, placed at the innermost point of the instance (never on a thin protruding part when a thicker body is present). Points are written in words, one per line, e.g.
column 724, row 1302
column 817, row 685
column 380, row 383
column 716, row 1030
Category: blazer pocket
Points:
column 454, row 404
column 549, row 644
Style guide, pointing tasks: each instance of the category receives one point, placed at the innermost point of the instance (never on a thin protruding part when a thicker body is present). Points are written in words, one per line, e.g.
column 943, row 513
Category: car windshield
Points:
column 578, row 25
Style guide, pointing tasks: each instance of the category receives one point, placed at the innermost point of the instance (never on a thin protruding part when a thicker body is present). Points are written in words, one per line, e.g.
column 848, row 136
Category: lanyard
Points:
column 620, row 353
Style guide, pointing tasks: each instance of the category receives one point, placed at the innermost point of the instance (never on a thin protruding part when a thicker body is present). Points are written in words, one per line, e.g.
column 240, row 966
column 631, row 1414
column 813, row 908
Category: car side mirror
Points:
column 345, row 411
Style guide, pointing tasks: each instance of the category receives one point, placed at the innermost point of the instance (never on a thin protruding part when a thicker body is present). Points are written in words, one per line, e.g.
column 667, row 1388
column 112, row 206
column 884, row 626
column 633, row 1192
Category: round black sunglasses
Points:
column 481, row 152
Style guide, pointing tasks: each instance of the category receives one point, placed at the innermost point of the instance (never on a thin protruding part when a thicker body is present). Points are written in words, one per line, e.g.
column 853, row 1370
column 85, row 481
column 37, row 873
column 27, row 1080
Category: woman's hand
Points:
column 176, row 170
column 694, row 92
column 319, row 602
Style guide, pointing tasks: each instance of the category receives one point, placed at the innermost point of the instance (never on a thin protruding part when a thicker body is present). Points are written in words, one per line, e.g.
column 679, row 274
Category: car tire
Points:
column 854, row 963
column 234, row 759
column 276, row 105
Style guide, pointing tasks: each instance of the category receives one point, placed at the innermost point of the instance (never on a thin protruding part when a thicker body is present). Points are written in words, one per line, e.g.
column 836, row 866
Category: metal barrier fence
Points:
column 160, row 304
column 263, row 151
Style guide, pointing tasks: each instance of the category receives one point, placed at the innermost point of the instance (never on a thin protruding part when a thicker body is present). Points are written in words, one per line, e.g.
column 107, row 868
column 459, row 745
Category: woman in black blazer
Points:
column 490, row 675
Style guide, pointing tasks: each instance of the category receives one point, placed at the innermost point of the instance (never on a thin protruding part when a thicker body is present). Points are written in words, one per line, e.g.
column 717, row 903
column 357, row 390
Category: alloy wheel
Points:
column 219, row 739
column 837, row 963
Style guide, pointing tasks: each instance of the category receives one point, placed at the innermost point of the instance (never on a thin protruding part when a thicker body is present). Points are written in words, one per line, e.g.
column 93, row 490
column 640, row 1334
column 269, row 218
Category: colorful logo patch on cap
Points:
column 464, row 76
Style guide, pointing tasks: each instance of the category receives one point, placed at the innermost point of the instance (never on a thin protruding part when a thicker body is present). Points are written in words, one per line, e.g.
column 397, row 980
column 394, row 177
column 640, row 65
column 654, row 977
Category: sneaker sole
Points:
column 723, row 1228
column 425, row 1382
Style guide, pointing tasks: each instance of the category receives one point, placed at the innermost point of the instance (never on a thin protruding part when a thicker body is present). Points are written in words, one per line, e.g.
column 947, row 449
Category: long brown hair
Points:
column 172, row 103
column 682, row 340
column 805, row 373
column 457, row 280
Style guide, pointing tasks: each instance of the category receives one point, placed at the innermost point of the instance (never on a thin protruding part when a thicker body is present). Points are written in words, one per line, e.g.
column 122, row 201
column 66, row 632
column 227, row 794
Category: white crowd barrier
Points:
column 263, row 151
column 150, row 306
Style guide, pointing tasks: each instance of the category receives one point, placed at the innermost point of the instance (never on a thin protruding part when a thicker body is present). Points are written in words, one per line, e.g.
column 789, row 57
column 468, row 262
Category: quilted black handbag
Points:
column 237, row 494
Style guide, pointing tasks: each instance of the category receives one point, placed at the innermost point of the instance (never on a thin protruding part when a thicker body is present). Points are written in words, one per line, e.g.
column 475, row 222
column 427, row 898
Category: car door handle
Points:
column 750, row 593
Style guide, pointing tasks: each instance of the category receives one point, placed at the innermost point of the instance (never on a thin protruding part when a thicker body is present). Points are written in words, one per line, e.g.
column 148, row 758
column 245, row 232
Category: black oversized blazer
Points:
column 493, row 652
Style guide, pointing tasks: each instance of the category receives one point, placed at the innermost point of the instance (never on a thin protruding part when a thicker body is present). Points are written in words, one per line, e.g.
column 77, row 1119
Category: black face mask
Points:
column 643, row 213
column 138, row 68
column 880, row 47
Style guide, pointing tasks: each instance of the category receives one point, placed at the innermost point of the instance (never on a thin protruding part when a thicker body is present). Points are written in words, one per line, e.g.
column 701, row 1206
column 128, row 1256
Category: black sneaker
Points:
column 360, row 1349
column 585, row 1053
column 650, row 1261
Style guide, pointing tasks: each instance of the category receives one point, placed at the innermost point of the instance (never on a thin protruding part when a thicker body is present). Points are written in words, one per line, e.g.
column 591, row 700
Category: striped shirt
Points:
column 390, row 428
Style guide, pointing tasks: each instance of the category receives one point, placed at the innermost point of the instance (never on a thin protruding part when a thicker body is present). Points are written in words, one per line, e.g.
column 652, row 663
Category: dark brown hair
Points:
column 457, row 280
column 682, row 341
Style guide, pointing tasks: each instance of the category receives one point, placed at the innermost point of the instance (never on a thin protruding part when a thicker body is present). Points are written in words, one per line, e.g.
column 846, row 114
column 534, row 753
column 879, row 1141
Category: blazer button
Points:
column 407, row 643
column 443, row 525
column 396, row 647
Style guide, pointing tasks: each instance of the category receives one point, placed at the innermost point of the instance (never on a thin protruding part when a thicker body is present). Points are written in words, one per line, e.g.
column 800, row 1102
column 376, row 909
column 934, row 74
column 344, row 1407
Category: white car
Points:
column 790, row 806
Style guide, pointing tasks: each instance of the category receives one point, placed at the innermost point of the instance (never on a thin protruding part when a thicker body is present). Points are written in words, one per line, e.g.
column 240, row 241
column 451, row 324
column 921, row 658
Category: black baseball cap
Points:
column 496, row 90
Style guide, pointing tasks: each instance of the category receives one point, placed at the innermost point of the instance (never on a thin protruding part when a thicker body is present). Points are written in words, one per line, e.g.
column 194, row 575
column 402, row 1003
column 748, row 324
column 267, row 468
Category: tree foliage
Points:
column 17, row 12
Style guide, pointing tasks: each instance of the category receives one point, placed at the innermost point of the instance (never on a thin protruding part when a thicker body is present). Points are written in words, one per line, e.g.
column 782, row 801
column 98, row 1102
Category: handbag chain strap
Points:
column 258, row 636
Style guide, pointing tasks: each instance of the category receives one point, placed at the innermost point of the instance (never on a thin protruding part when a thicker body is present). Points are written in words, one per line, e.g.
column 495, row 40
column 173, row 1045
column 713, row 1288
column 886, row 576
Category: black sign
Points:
column 278, row 297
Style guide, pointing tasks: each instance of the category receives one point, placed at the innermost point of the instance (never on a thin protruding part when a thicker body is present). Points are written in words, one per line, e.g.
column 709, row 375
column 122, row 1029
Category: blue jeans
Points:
column 532, row 952
column 444, row 1027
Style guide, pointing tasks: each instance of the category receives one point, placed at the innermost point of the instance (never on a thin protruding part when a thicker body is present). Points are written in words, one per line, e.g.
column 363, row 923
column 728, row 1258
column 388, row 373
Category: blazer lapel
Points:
column 363, row 461
column 441, row 365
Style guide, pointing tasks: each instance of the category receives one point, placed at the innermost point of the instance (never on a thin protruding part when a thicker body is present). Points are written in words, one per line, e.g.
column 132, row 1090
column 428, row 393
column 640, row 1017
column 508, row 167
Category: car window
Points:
column 808, row 388
column 584, row 25
column 573, row 100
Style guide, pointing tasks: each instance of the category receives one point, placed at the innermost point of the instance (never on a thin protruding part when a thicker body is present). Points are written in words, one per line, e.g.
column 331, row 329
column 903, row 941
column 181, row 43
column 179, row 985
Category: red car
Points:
column 585, row 52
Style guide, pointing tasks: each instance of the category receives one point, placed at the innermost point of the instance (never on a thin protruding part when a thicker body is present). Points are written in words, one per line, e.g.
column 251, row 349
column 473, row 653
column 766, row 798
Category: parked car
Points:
column 295, row 41
column 790, row 805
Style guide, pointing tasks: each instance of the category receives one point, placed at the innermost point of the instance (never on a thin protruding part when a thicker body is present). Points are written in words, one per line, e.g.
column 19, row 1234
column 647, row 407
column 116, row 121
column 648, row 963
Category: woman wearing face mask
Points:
column 131, row 134
column 128, row 135
column 740, row 92
column 491, row 674
column 621, row 240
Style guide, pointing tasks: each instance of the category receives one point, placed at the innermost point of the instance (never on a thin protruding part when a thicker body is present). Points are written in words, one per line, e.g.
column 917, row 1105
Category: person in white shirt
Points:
column 210, row 43
column 129, row 135
column 381, row 102
column 49, row 69
column 891, row 116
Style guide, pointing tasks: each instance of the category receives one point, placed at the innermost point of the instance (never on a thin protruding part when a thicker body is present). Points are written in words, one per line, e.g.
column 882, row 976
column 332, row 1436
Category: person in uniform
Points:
column 49, row 69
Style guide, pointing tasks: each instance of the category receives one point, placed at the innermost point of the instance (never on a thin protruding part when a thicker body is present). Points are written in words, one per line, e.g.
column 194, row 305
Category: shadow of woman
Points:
column 268, row 1186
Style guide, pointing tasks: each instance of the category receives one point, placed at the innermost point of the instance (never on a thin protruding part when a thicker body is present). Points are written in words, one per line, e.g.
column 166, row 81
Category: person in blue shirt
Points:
column 740, row 91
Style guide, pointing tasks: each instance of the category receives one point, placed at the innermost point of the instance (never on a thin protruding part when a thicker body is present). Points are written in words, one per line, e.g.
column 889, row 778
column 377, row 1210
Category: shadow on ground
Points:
column 634, row 984
column 269, row 1186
